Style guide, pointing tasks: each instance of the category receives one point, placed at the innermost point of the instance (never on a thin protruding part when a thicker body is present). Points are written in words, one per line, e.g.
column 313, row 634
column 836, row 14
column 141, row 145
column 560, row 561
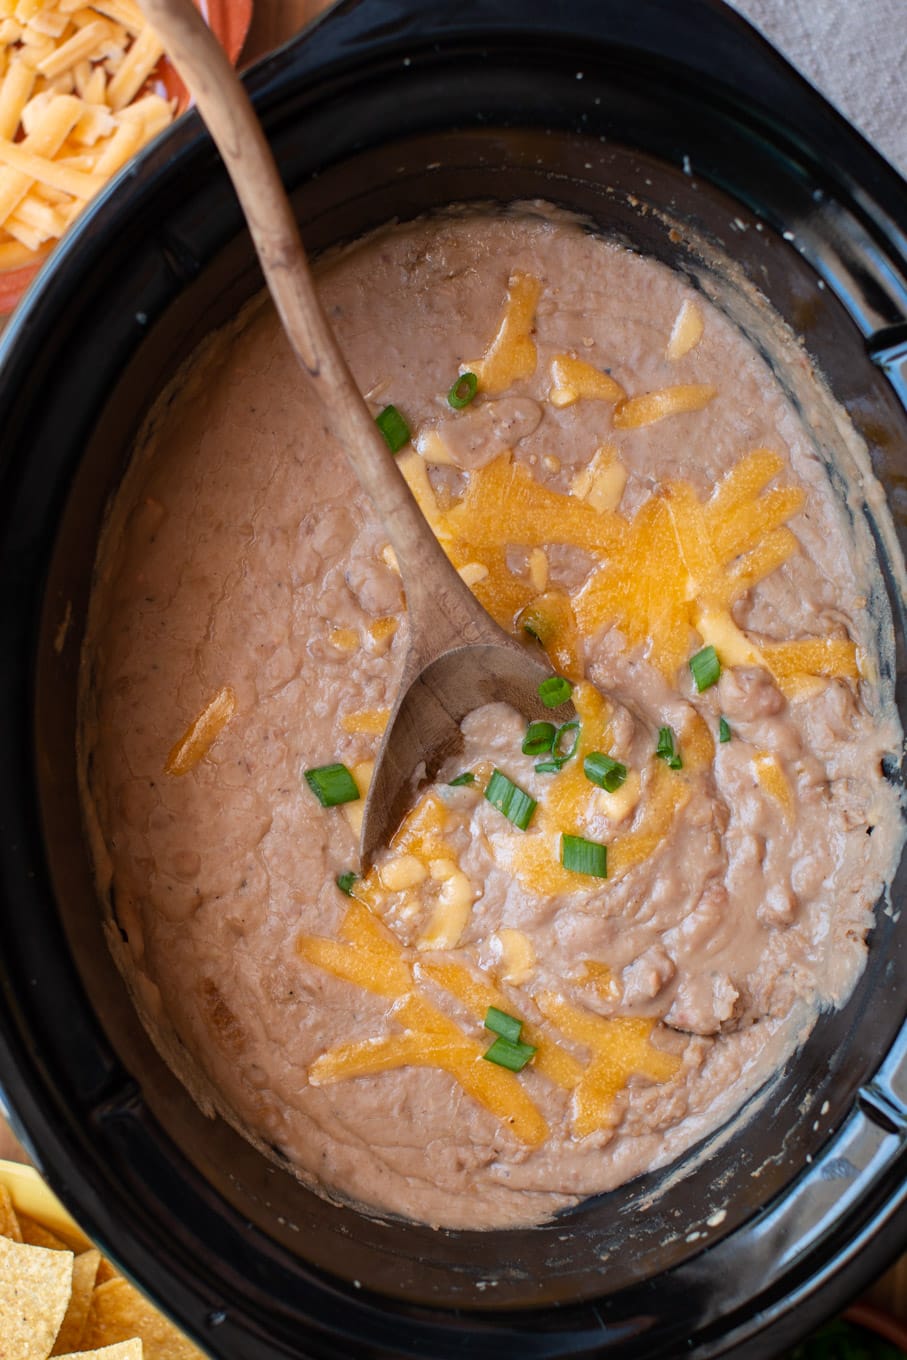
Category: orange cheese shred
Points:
column 423, row 1036
column 574, row 380
column 621, row 1047
column 646, row 409
column 511, row 354
column 202, row 732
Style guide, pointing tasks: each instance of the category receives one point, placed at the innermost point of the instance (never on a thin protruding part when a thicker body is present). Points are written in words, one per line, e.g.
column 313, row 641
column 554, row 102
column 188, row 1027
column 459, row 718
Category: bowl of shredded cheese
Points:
column 83, row 88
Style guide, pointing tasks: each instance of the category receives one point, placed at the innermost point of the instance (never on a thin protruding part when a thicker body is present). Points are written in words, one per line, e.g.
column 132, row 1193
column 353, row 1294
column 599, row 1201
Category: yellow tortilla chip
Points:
column 84, row 1272
column 105, row 1272
column 9, row 1222
column 38, row 1236
column 34, row 1292
column 120, row 1350
column 118, row 1311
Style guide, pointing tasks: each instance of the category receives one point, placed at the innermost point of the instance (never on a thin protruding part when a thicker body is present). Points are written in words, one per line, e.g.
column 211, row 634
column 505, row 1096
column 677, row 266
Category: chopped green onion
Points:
column 584, row 857
column 509, row 798
column 507, row 1026
column 706, row 668
column 572, row 726
column 540, row 736
column 506, row 1054
column 555, row 691
column 466, row 778
column 667, row 750
column 393, row 427
column 345, row 882
column 724, row 730
column 332, row 784
column 600, row 769
column 463, row 391
column 559, row 758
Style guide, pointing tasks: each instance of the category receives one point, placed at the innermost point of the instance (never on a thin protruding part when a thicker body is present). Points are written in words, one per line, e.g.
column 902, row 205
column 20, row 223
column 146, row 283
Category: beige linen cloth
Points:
column 854, row 51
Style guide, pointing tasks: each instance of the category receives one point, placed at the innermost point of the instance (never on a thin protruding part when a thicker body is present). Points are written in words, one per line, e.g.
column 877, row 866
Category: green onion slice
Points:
column 393, row 427
column 666, row 748
column 466, row 778
column 584, row 857
column 600, row 769
column 509, row 798
column 463, row 391
column 560, row 754
column 345, row 882
column 332, row 784
column 555, row 691
column 724, row 730
column 510, row 1055
column 507, row 1026
column 706, row 668
column 540, row 737
column 559, row 758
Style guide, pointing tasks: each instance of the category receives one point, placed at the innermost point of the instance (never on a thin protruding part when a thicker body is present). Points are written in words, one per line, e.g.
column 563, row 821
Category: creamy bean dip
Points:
column 585, row 947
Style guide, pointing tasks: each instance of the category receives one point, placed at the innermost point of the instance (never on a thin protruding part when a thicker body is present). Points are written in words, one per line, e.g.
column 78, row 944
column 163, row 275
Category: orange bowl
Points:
column 229, row 20
column 13, row 282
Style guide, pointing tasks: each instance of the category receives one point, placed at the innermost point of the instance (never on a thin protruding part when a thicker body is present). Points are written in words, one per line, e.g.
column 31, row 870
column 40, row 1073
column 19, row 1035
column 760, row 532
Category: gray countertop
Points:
column 854, row 51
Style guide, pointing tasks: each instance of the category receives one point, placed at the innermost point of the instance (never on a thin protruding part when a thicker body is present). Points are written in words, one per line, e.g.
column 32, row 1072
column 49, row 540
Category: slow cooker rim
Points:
column 28, row 319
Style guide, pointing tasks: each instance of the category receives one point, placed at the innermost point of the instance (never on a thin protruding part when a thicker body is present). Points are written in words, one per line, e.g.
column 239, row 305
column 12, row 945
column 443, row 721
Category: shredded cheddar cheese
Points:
column 471, row 573
column 518, row 959
column 635, row 412
column 666, row 577
column 620, row 1047
column 550, row 619
column 344, row 639
column 75, row 105
column 574, row 380
column 771, row 776
column 620, row 804
column 202, row 732
column 370, row 721
column 686, row 331
column 601, row 483
column 423, row 1035
column 538, row 569
column 512, row 354
column 355, row 811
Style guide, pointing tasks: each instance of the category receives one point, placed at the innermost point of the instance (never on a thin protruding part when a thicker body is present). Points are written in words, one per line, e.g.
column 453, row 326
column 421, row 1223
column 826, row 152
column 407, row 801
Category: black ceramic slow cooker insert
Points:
column 391, row 108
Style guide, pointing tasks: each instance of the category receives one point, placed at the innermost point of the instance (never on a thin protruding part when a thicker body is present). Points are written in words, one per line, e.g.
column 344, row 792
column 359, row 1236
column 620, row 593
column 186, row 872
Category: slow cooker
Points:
column 633, row 116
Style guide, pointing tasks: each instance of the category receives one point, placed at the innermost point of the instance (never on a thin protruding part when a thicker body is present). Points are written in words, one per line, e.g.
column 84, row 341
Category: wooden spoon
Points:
column 458, row 657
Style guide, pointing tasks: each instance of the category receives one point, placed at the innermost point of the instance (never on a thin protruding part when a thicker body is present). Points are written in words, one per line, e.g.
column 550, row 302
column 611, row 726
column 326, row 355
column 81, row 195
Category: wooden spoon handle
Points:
column 441, row 607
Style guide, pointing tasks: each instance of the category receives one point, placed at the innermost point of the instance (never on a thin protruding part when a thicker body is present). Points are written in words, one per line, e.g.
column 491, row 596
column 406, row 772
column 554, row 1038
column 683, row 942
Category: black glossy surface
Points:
column 400, row 107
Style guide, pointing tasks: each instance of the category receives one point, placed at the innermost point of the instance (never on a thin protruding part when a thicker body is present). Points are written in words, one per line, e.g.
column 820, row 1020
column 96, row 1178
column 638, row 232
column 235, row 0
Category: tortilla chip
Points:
column 38, row 1236
column 106, row 1272
column 9, row 1223
column 120, row 1350
column 84, row 1272
column 118, row 1312
column 34, row 1292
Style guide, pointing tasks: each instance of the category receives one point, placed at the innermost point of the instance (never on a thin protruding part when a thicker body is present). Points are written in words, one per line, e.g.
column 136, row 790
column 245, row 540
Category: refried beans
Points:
column 586, row 946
